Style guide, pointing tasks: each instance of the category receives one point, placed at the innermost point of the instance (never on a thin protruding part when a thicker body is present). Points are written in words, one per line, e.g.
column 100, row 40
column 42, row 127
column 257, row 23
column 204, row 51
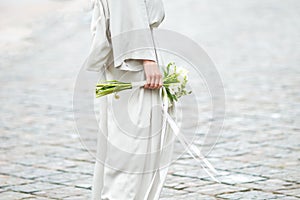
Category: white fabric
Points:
column 110, row 19
column 112, row 184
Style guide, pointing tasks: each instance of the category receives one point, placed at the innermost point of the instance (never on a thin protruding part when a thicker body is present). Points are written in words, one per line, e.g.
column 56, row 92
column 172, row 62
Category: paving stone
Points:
column 194, row 196
column 79, row 197
column 64, row 178
column 270, row 185
column 6, row 180
column 33, row 172
column 33, row 197
column 214, row 189
column 169, row 192
column 62, row 192
column 251, row 195
column 236, row 178
column 292, row 192
column 11, row 195
column 33, row 187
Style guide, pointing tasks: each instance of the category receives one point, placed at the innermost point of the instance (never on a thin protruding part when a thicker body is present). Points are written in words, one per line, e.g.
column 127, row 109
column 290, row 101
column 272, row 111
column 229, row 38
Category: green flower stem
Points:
column 169, row 80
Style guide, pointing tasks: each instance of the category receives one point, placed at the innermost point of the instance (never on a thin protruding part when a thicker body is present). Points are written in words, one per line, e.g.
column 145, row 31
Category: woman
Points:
column 131, row 163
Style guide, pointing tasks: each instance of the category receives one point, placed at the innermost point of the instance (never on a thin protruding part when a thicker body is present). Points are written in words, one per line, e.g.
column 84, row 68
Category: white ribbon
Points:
column 192, row 149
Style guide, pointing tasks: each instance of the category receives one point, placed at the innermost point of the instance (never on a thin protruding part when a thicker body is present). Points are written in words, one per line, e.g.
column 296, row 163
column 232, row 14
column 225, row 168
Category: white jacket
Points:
column 122, row 33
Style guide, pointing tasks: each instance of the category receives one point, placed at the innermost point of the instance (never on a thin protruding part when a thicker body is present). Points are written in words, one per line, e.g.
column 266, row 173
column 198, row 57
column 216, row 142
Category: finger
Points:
column 157, row 80
column 152, row 84
column 151, row 81
column 160, row 81
column 148, row 81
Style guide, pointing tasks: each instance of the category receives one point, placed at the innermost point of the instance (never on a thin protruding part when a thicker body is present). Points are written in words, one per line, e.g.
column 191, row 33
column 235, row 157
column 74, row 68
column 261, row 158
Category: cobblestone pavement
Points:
column 255, row 45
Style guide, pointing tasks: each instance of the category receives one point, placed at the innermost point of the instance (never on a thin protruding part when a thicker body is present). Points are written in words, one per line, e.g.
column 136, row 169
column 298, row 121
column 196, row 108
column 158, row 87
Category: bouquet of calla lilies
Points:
column 174, row 81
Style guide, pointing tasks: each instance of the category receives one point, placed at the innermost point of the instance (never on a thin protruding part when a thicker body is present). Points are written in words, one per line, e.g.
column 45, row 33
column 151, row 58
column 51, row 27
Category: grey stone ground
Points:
column 255, row 45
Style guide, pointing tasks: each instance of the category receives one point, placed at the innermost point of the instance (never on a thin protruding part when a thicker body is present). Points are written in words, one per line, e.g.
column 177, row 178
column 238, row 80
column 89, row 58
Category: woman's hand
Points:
column 153, row 75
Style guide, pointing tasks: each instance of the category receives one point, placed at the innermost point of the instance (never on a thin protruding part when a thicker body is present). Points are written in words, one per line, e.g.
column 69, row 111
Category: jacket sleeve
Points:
column 100, row 51
column 156, row 12
column 130, row 27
